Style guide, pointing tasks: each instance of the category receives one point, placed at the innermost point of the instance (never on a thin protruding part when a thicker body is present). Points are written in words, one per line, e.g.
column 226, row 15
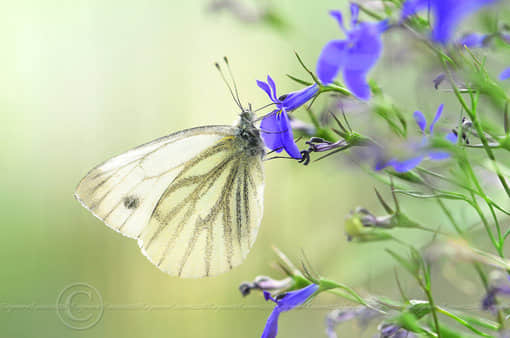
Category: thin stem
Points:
column 461, row 321
column 476, row 265
column 474, row 118
column 450, row 216
column 432, row 307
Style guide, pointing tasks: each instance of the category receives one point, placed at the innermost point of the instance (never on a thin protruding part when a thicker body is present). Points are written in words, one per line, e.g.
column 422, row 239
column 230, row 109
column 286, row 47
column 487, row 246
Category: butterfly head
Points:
column 251, row 142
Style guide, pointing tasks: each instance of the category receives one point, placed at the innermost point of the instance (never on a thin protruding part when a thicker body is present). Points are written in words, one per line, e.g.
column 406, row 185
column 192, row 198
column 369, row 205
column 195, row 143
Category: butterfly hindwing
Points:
column 193, row 199
column 207, row 220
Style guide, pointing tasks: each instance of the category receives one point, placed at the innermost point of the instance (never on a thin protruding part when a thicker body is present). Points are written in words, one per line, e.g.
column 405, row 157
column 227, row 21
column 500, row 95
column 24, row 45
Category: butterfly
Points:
column 192, row 199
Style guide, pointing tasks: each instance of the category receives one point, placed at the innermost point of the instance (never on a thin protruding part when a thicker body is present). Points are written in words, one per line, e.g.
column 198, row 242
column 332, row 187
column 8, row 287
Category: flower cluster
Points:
column 354, row 57
column 430, row 160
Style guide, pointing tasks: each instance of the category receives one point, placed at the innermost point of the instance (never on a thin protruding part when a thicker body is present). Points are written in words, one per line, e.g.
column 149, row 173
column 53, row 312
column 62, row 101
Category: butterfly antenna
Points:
column 236, row 96
column 262, row 108
column 233, row 80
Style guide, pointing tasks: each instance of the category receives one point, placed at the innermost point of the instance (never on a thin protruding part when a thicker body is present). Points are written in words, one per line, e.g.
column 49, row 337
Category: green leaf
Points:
column 386, row 207
column 303, row 82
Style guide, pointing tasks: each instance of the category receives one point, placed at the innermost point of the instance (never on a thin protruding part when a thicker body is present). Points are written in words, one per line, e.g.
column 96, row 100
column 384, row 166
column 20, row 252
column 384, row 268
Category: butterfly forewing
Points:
column 193, row 199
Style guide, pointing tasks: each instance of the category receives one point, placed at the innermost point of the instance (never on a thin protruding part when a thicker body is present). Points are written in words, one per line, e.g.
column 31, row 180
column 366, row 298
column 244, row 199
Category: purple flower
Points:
column 500, row 286
column 505, row 74
column 448, row 14
column 394, row 331
column 438, row 80
column 354, row 56
column 287, row 302
column 275, row 127
column 422, row 148
column 474, row 40
column 363, row 315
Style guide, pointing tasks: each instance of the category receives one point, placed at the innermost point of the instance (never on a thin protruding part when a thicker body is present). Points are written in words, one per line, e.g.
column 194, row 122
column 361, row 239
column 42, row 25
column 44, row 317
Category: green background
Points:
column 82, row 81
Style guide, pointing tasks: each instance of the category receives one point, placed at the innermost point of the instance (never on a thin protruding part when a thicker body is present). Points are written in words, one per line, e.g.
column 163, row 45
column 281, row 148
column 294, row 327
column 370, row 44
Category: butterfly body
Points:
column 193, row 199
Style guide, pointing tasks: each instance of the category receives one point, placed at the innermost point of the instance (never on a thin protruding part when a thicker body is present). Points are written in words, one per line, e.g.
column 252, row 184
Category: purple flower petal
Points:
column 438, row 155
column 287, row 137
column 438, row 115
column 289, row 301
column 411, row 7
column 273, row 89
column 356, row 82
column 331, row 60
column 355, row 55
column 451, row 137
column 438, row 79
column 271, row 328
column 277, row 133
column 297, row 99
column 337, row 15
column 448, row 14
column 297, row 297
column 354, row 14
column 382, row 26
column 473, row 40
column 270, row 131
column 404, row 166
column 265, row 87
column 505, row 74
column 365, row 48
column 267, row 296
column 420, row 120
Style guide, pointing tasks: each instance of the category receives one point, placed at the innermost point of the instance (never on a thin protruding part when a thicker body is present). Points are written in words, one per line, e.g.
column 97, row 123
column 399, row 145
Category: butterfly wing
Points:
column 193, row 199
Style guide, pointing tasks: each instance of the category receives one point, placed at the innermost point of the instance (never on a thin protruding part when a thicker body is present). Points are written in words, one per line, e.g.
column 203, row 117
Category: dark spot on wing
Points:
column 131, row 202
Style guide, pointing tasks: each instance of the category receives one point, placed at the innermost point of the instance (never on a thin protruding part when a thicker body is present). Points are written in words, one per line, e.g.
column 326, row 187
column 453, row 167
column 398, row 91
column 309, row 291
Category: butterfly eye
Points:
column 281, row 98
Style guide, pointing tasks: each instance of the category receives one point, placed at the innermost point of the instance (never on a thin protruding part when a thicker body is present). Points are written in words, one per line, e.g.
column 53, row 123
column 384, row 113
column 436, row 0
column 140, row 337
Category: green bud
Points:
column 356, row 231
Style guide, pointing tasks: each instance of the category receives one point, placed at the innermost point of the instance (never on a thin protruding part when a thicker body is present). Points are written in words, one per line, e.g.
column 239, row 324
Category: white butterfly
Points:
column 193, row 199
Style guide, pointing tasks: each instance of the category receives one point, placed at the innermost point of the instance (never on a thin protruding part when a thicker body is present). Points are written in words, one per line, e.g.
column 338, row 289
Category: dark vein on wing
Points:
column 206, row 223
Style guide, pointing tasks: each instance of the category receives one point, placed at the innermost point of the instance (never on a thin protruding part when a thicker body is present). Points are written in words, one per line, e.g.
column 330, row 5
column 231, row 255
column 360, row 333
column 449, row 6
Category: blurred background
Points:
column 82, row 81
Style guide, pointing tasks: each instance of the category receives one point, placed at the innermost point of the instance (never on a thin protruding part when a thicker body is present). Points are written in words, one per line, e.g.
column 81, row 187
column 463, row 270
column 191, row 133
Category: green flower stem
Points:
column 428, row 293
column 330, row 286
column 368, row 12
column 463, row 322
column 466, row 187
column 321, row 132
column 450, row 217
column 442, row 55
column 344, row 294
column 476, row 265
column 471, row 111
column 499, row 244
column 479, row 211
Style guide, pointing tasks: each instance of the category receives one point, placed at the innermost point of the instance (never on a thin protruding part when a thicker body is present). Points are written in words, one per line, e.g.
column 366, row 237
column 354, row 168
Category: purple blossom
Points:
column 500, row 286
column 394, row 331
column 447, row 13
column 422, row 148
column 354, row 56
column 275, row 127
column 287, row 302
column 363, row 315
column 505, row 74
column 474, row 40
column 438, row 80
